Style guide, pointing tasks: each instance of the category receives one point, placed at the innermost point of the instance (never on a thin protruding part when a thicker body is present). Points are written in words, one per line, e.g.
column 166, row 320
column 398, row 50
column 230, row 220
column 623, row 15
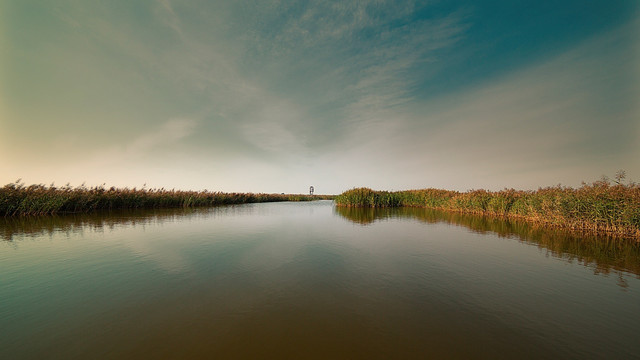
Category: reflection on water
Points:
column 301, row 280
column 604, row 254
column 32, row 226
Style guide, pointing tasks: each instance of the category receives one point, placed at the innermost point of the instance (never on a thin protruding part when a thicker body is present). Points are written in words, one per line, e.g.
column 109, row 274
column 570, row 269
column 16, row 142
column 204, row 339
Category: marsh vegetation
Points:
column 18, row 199
column 603, row 206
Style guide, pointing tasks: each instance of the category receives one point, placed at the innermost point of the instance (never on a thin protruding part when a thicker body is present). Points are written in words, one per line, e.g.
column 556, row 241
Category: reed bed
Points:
column 601, row 207
column 16, row 199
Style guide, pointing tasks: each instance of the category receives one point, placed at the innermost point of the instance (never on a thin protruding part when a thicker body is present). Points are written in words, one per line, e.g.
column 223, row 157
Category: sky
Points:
column 276, row 96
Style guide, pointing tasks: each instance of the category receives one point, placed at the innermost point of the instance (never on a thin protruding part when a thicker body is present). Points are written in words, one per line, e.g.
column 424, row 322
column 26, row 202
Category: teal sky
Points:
column 275, row 96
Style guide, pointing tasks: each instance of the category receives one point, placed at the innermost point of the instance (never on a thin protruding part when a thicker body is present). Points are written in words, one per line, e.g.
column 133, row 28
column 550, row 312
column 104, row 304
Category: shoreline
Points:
column 599, row 208
column 19, row 200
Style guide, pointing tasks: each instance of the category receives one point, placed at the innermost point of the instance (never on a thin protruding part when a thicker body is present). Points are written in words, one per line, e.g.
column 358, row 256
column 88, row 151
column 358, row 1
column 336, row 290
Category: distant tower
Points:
column 310, row 190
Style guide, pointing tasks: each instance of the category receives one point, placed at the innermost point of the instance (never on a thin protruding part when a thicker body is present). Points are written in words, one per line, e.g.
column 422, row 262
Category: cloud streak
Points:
column 337, row 94
column 162, row 136
column 569, row 119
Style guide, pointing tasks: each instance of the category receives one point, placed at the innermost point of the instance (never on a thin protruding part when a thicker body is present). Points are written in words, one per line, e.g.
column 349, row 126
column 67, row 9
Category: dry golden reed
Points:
column 17, row 199
column 602, row 206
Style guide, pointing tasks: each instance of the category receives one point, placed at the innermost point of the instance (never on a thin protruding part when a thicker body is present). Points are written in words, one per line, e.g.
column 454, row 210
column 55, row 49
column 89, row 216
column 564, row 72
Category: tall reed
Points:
column 17, row 199
column 601, row 206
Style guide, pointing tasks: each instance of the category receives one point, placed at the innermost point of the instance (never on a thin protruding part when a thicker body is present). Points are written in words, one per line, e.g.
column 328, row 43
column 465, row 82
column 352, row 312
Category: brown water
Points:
column 308, row 280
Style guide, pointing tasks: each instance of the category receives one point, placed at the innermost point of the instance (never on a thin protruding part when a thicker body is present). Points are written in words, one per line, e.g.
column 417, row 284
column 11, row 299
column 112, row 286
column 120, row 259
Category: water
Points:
column 308, row 280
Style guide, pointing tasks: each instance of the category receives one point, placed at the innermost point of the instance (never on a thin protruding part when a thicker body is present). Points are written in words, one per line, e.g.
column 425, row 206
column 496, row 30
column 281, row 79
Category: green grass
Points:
column 600, row 207
column 17, row 199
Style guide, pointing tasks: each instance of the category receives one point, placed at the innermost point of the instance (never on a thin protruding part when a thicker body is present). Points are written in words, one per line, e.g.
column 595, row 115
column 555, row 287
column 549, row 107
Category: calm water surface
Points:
column 307, row 280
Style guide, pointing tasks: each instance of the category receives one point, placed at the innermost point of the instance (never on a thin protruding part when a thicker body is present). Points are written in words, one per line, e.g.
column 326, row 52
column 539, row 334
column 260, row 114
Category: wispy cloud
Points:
column 310, row 89
column 358, row 59
column 167, row 15
column 168, row 133
column 557, row 121
column 156, row 140
column 274, row 130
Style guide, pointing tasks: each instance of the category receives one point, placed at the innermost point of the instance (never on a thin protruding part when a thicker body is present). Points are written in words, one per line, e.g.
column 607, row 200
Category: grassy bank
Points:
column 17, row 199
column 600, row 207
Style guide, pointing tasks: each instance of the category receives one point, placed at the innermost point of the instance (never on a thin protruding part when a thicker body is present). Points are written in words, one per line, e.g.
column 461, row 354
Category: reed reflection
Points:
column 604, row 254
column 31, row 226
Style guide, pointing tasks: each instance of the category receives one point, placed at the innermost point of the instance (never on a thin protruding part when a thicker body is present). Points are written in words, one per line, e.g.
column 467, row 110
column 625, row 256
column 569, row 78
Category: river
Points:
column 309, row 280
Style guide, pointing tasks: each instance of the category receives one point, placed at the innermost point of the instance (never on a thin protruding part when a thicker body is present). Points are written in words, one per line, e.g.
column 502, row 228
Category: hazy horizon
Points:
column 278, row 96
